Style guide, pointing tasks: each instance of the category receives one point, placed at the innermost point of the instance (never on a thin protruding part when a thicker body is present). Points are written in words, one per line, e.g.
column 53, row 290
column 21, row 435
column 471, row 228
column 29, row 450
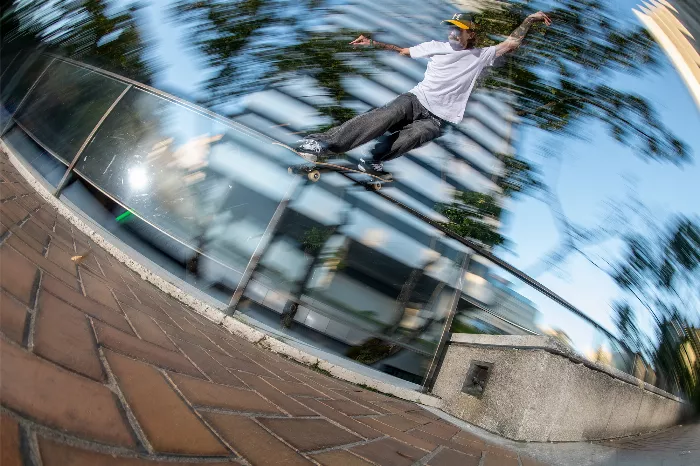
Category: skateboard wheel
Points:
column 314, row 176
column 376, row 186
column 290, row 170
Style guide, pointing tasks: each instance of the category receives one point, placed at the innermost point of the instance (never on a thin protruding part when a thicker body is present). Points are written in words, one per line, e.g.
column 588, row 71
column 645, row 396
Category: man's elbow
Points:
column 507, row 46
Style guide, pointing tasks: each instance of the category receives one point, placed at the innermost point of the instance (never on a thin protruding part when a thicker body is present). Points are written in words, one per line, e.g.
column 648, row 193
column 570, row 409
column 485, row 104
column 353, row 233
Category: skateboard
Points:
column 313, row 170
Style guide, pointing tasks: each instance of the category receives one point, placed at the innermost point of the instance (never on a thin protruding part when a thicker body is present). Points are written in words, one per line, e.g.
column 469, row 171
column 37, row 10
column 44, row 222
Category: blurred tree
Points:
column 94, row 31
column 661, row 273
column 676, row 357
column 255, row 43
column 326, row 59
column 225, row 32
column 561, row 79
column 663, row 269
column 625, row 321
column 476, row 215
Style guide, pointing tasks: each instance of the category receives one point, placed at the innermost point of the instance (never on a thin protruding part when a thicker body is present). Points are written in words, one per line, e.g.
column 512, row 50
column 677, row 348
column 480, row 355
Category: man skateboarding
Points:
column 419, row 116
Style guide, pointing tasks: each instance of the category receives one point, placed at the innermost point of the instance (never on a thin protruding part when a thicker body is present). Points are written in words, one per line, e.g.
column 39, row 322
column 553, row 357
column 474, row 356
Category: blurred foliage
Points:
column 372, row 351
column 474, row 215
column 94, row 31
column 223, row 31
column 461, row 327
column 234, row 39
column 319, row 56
column 662, row 273
column 625, row 321
column 561, row 79
column 677, row 356
column 519, row 177
column 314, row 238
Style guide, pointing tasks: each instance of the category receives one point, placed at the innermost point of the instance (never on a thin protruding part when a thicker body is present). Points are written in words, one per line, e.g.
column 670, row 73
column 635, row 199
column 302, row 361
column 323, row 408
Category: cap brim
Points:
column 459, row 24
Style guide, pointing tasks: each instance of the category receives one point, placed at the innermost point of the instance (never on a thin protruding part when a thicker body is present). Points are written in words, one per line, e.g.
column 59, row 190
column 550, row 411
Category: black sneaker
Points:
column 372, row 168
column 312, row 149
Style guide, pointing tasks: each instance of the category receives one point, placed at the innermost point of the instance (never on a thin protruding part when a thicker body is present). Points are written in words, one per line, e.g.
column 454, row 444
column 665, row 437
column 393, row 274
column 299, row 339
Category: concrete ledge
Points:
column 538, row 391
column 234, row 325
column 554, row 346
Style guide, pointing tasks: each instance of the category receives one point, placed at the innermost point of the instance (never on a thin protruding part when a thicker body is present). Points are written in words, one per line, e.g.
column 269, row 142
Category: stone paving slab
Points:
column 100, row 367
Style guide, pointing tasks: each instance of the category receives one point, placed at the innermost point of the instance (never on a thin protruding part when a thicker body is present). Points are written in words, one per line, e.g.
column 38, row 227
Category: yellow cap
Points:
column 462, row 21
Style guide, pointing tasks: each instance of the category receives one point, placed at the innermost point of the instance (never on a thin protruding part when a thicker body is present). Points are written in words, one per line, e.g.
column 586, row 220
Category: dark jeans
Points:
column 411, row 125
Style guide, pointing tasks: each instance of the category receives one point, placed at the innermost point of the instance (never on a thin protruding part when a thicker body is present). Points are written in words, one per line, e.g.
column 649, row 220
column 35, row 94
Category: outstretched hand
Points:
column 362, row 40
column 540, row 16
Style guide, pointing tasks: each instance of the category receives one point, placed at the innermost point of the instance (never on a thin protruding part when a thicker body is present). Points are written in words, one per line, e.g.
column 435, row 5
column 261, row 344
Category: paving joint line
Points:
column 29, row 446
column 345, row 446
column 113, row 385
column 61, row 437
column 429, row 456
column 79, row 278
column 187, row 402
column 30, row 324
column 124, row 314
column 256, row 414
column 183, row 351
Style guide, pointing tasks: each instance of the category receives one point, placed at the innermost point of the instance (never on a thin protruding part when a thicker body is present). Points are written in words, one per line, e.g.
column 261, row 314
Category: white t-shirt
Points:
column 450, row 77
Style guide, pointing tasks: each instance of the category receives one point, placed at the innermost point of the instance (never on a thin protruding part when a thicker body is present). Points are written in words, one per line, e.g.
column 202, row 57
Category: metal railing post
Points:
column 264, row 243
column 29, row 91
column 439, row 355
column 66, row 175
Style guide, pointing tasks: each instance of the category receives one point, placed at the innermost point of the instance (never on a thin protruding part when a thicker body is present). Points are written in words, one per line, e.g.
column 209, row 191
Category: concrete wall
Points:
column 539, row 391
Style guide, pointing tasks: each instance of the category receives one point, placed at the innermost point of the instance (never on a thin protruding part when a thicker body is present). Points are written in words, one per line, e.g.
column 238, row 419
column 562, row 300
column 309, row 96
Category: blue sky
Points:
column 598, row 170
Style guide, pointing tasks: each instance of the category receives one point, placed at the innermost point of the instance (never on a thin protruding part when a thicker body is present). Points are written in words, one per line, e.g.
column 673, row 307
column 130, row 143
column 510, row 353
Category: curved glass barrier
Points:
column 329, row 266
column 66, row 93
column 19, row 77
column 212, row 187
column 497, row 302
column 377, row 283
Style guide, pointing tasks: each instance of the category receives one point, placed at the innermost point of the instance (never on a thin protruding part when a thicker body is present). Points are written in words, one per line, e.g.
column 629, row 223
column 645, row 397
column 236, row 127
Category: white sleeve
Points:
column 488, row 55
column 427, row 49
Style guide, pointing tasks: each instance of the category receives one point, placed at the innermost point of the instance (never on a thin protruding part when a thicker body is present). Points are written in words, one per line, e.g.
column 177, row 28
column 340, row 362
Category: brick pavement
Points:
column 100, row 367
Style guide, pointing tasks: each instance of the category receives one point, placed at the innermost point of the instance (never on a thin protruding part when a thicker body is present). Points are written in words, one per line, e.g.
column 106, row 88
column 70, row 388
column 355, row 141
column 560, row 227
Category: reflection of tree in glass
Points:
column 314, row 238
column 474, row 215
column 86, row 30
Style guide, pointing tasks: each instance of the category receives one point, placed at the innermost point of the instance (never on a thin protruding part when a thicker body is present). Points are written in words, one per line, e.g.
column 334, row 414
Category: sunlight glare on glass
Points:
column 138, row 178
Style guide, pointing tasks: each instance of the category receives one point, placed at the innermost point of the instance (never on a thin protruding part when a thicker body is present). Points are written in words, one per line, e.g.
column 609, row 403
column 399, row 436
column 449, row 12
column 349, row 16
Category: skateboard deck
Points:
column 313, row 170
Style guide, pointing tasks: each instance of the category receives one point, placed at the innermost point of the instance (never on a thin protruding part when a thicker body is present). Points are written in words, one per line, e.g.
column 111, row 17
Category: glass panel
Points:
column 67, row 93
column 20, row 76
column 193, row 178
column 496, row 302
column 45, row 164
column 132, row 231
column 372, row 282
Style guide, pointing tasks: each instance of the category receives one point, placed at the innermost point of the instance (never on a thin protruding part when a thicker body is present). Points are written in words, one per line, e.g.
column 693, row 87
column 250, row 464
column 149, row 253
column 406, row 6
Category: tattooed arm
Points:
column 362, row 40
column 517, row 36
